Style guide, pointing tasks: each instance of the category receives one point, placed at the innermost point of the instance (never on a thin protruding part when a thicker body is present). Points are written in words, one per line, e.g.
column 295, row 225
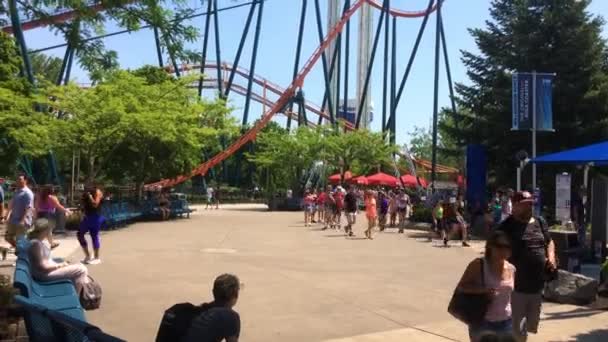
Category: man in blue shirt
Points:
column 20, row 211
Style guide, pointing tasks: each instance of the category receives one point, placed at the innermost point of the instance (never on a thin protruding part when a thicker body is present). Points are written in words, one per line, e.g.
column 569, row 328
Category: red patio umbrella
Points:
column 410, row 181
column 381, row 178
column 361, row 180
column 335, row 179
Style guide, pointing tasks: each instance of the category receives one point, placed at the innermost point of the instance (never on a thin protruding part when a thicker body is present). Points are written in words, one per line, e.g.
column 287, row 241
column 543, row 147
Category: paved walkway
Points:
column 301, row 284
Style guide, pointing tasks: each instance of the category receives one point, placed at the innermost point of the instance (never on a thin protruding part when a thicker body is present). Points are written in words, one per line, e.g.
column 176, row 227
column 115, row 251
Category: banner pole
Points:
column 533, row 129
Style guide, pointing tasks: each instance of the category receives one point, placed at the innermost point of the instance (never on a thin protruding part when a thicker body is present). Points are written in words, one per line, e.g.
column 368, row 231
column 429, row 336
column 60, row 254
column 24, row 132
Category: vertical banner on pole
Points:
column 562, row 197
column 476, row 175
column 522, row 101
column 544, row 99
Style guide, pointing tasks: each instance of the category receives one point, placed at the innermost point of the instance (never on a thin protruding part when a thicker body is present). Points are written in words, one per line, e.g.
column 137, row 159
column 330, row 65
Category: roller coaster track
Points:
column 261, row 81
column 64, row 16
column 285, row 95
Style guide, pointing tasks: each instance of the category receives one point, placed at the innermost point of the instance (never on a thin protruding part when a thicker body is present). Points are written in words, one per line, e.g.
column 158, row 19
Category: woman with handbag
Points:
column 491, row 277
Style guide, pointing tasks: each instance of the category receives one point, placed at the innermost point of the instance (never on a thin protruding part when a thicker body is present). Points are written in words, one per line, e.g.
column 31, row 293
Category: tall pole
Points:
column 346, row 58
column 533, row 129
column 436, row 97
column 239, row 51
column 296, row 65
column 204, row 53
column 254, row 54
column 392, row 119
column 218, row 57
column 18, row 33
column 385, row 109
column 159, row 53
column 326, row 75
column 364, row 48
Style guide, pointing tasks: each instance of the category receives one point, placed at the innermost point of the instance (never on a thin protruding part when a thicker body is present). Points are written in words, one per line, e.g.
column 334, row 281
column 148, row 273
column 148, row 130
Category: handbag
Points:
column 90, row 295
column 470, row 308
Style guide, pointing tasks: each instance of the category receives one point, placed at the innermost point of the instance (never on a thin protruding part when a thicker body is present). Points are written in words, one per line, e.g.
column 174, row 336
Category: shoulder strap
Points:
column 483, row 276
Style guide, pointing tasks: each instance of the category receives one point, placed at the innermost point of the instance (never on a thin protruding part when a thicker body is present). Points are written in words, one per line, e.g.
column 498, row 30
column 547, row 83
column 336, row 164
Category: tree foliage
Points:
column 286, row 155
column 558, row 36
column 128, row 129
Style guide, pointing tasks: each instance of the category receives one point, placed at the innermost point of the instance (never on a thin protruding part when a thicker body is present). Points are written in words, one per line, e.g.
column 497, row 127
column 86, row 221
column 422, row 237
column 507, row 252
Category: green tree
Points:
column 421, row 143
column 560, row 36
column 129, row 130
column 23, row 131
column 360, row 152
column 46, row 66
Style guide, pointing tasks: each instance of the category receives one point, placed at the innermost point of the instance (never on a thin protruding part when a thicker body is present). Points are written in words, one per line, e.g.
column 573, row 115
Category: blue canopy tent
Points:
column 596, row 154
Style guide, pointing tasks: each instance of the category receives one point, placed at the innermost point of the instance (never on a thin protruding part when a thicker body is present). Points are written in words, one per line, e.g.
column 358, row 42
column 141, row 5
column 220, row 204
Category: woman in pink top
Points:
column 47, row 205
column 370, row 212
column 498, row 278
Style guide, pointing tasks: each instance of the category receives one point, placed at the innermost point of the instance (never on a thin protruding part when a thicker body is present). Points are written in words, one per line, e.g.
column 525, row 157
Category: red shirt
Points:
column 321, row 198
column 339, row 199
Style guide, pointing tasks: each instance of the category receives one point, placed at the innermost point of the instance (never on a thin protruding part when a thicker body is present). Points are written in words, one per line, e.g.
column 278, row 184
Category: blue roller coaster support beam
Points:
column 436, row 97
column 159, row 51
column 447, row 69
column 204, row 53
column 218, row 54
column 338, row 52
column 393, row 116
column 64, row 64
column 408, row 69
column 332, row 117
column 385, row 108
column 346, row 57
column 296, row 64
column 171, row 54
column 18, row 33
column 239, row 51
column 370, row 66
column 254, row 55
column 68, row 70
column 332, row 66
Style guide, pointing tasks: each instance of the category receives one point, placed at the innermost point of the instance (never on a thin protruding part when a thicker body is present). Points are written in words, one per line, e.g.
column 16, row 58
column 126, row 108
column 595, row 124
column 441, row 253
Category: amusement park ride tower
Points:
column 364, row 47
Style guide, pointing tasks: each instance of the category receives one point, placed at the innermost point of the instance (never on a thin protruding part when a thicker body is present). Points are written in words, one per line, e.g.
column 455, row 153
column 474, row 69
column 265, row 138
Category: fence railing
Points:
column 47, row 325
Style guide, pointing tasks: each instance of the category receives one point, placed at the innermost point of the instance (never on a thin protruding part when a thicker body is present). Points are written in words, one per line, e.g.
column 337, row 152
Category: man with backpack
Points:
column 533, row 255
column 209, row 322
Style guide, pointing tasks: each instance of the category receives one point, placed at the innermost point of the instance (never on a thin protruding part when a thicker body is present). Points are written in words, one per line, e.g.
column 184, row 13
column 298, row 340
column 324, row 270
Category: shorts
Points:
column 14, row 231
column 439, row 226
column 351, row 218
column 402, row 210
column 526, row 309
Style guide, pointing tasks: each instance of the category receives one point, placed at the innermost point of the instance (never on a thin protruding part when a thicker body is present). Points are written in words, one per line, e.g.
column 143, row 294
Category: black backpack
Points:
column 176, row 321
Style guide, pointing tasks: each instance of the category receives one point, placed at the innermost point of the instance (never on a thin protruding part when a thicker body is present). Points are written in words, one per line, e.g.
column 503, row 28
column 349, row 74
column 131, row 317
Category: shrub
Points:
column 422, row 214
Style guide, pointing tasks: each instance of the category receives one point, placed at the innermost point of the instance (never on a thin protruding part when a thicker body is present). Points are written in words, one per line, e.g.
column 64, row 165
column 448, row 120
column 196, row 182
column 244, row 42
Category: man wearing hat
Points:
column 533, row 253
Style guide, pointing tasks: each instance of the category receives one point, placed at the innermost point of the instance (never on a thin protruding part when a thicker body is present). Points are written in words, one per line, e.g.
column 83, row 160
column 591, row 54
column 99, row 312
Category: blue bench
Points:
column 59, row 295
column 47, row 325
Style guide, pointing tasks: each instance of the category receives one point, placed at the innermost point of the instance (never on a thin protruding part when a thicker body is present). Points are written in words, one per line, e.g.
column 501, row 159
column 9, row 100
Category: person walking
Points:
column 438, row 222
column 91, row 203
column 20, row 212
column 350, row 208
column 533, row 254
column 383, row 205
column 498, row 277
column 321, row 199
column 403, row 201
column 392, row 208
column 209, row 198
column 309, row 202
column 47, row 205
column 370, row 212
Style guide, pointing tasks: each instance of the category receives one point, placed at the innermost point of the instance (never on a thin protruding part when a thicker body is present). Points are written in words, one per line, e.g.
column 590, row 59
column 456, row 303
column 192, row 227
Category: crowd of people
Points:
column 34, row 215
column 382, row 208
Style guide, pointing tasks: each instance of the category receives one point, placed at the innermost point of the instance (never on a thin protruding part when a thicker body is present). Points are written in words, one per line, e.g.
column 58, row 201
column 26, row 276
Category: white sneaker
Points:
column 95, row 262
column 85, row 261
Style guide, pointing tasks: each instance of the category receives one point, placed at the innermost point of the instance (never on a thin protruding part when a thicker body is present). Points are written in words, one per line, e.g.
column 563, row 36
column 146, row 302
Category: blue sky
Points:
column 278, row 44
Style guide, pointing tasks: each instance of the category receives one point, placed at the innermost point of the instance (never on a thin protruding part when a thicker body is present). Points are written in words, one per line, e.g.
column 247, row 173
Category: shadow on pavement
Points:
column 575, row 313
column 598, row 335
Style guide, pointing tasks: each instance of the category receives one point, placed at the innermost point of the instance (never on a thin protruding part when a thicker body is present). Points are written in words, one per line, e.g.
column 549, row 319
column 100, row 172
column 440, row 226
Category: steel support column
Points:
column 408, row 69
column 447, row 69
column 254, row 54
column 330, row 106
column 204, row 52
column 436, row 97
column 64, row 64
column 393, row 113
column 368, row 75
column 159, row 50
column 18, row 33
column 218, row 55
column 346, row 57
column 296, row 64
column 239, row 51
column 385, row 75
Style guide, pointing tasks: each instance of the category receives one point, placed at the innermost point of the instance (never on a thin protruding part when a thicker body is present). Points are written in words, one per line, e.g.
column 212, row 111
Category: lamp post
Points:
column 522, row 157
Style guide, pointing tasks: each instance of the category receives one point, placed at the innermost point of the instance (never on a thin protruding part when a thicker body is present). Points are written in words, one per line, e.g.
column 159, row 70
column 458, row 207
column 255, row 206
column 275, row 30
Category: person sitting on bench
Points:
column 44, row 268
